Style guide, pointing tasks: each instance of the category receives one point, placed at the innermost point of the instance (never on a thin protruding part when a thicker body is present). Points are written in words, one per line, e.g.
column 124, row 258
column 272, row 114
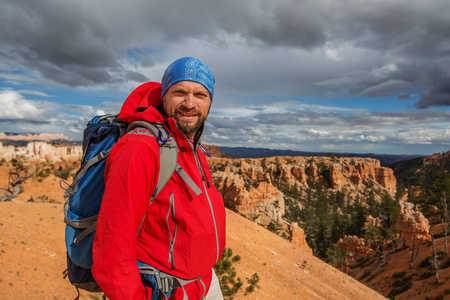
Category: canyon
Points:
column 257, row 189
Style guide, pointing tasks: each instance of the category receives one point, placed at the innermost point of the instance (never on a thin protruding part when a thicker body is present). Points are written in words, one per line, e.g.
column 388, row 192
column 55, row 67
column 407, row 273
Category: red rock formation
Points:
column 47, row 137
column 262, row 203
column 354, row 245
column 42, row 151
column 337, row 179
column 411, row 221
column 371, row 221
column 247, row 186
column 298, row 237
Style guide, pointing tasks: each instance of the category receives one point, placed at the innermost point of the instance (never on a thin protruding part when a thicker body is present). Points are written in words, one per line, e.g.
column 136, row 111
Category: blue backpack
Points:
column 83, row 197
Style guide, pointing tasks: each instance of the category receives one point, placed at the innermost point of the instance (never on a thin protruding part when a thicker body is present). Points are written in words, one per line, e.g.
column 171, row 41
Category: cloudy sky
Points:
column 320, row 75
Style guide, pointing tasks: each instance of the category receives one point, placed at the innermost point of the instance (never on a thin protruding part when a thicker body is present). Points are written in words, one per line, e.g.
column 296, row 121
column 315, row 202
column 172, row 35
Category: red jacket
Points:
column 194, row 225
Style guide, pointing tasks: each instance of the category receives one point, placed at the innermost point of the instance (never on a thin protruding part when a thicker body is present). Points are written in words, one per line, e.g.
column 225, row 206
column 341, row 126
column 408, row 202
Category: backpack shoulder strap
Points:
column 168, row 153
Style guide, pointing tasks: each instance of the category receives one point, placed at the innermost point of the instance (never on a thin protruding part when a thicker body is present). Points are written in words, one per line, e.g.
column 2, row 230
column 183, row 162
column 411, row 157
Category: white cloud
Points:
column 384, row 71
column 14, row 106
column 36, row 93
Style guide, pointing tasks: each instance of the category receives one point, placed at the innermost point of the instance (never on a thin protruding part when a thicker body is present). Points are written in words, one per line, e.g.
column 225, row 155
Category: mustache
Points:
column 188, row 112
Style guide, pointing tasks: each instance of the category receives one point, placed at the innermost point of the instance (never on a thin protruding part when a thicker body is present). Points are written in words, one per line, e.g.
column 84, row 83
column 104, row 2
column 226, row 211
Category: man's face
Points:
column 188, row 102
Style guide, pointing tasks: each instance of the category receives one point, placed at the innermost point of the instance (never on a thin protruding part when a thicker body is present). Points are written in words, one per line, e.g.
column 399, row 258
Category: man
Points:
column 182, row 232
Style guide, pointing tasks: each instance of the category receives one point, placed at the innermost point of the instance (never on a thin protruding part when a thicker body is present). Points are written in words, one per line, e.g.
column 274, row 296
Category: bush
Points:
column 227, row 274
column 63, row 173
column 399, row 274
column 366, row 274
column 395, row 292
column 253, row 281
column 426, row 275
column 43, row 173
column 446, row 264
column 425, row 263
column 402, row 282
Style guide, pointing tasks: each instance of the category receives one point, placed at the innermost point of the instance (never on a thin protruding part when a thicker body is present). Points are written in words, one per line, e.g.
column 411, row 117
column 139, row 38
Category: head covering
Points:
column 190, row 69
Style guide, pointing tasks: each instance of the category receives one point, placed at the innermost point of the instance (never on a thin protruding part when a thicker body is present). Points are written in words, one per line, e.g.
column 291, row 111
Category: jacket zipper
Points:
column 207, row 196
column 172, row 241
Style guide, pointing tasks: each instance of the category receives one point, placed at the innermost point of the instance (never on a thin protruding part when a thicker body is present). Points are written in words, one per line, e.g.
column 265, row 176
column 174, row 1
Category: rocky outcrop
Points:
column 47, row 137
column 298, row 237
column 42, row 151
column 7, row 152
column 361, row 172
column 353, row 245
column 251, row 186
column 254, row 199
column 254, row 187
column 412, row 222
column 374, row 222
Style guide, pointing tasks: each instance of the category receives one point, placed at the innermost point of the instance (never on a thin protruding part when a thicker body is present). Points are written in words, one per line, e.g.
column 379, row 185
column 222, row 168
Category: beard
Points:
column 187, row 126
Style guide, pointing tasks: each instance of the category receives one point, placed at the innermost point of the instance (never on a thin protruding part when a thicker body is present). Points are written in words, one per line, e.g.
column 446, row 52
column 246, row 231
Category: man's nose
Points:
column 189, row 101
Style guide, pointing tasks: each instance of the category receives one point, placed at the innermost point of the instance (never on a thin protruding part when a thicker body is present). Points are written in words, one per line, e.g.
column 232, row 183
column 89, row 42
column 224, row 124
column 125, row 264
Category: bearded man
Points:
column 180, row 235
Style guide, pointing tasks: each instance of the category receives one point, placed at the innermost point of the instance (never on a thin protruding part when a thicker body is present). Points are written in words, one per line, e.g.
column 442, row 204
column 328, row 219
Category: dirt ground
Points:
column 32, row 254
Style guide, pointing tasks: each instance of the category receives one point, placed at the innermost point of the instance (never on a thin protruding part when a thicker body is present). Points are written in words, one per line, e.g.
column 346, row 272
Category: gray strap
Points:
column 88, row 223
column 166, row 282
column 168, row 155
column 99, row 157
column 180, row 171
column 83, row 223
column 144, row 124
column 85, row 233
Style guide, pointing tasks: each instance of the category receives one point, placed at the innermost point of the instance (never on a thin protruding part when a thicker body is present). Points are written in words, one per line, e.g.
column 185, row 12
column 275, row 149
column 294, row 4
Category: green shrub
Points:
column 402, row 282
column 425, row 263
column 253, row 281
column 366, row 274
column 395, row 292
column 63, row 173
column 426, row 275
column 439, row 235
column 227, row 274
column 399, row 274
column 446, row 264
column 43, row 173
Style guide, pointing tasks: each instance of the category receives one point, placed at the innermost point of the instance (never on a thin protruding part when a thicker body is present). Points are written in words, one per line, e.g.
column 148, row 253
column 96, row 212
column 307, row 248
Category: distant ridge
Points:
column 246, row 152
column 22, row 139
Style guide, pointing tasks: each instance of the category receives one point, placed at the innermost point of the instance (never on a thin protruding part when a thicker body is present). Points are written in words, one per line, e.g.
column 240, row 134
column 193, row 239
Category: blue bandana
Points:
column 190, row 69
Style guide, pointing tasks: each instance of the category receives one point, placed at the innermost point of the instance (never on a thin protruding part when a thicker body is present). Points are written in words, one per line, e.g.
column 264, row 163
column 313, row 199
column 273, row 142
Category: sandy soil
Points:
column 32, row 254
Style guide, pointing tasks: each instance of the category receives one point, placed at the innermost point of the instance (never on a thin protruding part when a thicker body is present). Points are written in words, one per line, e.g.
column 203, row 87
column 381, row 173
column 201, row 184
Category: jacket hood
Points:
column 147, row 95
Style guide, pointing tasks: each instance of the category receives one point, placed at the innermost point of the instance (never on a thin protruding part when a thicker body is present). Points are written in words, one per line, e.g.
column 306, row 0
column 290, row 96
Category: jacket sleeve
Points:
column 130, row 177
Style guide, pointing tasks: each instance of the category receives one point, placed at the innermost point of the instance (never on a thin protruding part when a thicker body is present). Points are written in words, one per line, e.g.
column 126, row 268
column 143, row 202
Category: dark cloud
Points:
column 437, row 96
column 59, row 40
column 403, row 97
column 286, row 48
column 336, row 120
column 135, row 76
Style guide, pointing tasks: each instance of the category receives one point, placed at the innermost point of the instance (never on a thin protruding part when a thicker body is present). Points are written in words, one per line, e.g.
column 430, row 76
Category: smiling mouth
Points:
column 187, row 115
